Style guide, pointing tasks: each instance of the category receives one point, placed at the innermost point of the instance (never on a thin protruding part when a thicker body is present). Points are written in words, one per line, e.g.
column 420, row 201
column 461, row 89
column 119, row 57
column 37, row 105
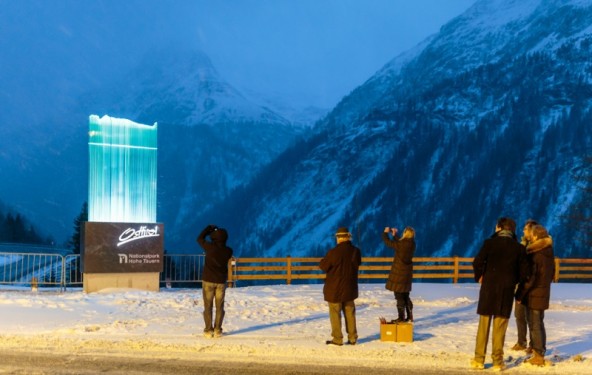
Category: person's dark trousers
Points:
column 520, row 313
column 211, row 292
column 404, row 304
column 536, row 325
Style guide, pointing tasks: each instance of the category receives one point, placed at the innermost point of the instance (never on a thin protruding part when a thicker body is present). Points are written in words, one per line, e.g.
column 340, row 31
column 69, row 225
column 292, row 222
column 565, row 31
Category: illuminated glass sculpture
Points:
column 122, row 175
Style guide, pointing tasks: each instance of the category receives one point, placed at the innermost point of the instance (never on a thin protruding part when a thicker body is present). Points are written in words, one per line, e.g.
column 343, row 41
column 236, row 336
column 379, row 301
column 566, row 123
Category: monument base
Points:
column 94, row 282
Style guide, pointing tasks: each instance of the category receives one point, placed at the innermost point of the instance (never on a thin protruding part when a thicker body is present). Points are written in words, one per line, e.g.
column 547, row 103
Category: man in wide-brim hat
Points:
column 341, row 265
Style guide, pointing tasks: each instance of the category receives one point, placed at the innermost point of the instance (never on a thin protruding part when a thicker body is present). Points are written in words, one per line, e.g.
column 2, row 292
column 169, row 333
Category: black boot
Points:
column 409, row 313
column 401, row 318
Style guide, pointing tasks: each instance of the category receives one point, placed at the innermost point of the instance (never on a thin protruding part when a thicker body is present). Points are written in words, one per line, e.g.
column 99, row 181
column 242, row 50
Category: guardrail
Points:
column 182, row 269
column 25, row 269
column 454, row 269
column 289, row 269
column 573, row 269
column 55, row 270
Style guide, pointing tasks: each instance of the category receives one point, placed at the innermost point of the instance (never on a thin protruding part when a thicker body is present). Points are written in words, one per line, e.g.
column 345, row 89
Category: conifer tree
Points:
column 74, row 242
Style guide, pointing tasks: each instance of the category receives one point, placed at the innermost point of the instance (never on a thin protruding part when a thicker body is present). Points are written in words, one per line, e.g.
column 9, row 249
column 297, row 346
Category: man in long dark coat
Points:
column 341, row 265
column 499, row 266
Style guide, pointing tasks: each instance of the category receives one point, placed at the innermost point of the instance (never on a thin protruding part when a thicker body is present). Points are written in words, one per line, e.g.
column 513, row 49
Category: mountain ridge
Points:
column 401, row 150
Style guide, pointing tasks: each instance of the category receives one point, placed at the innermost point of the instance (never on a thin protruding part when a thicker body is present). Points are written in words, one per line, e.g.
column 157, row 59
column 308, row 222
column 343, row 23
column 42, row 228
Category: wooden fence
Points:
column 573, row 269
column 454, row 269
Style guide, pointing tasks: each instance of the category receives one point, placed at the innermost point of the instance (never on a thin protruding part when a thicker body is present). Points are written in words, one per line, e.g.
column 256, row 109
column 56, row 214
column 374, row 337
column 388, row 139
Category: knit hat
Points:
column 219, row 235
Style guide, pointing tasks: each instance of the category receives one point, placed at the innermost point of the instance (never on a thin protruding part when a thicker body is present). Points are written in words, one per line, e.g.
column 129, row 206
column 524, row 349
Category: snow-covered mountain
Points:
column 185, row 85
column 489, row 117
column 294, row 109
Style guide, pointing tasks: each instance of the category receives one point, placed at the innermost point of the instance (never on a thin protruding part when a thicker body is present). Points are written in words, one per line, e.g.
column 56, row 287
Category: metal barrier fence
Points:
column 72, row 271
column 182, row 269
column 63, row 271
column 26, row 269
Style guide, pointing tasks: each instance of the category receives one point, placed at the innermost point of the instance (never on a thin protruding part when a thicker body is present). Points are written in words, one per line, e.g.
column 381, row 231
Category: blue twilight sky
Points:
column 318, row 50
column 309, row 51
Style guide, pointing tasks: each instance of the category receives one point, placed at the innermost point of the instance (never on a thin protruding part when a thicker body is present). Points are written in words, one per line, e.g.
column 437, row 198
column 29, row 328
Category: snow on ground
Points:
column 285, row 324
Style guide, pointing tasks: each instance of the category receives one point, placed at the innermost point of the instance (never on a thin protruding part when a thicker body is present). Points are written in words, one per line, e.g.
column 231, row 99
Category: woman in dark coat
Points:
column 401, row 275
column 537, row 290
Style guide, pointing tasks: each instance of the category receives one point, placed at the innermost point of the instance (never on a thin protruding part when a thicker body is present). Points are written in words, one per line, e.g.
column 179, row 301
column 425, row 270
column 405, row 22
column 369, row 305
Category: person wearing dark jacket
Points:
column 214, row 276
column 401, row 275
column 499, row 266
column 520, row 310
column 341, row 265
column 537, row 290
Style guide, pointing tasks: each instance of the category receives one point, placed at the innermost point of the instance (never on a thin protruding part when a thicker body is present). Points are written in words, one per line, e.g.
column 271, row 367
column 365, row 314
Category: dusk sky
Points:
column 313, row 49
column 307, row 51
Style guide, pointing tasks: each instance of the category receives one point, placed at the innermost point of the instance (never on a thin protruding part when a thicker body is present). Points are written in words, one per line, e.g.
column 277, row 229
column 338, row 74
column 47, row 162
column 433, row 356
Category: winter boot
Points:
column 401, row 318
column 477, row 365
column 409, row 310
column 528, row 350
column 536, row 359
column 499, row 367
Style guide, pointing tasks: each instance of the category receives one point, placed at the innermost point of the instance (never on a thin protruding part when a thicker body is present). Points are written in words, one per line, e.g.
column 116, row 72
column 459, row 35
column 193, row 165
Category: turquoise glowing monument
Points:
column 122, row 242
column 122, row 173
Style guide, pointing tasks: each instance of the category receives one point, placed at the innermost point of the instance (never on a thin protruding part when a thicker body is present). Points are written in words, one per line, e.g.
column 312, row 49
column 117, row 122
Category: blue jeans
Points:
column 520, row 313
column 213, row 291
column 537, row 330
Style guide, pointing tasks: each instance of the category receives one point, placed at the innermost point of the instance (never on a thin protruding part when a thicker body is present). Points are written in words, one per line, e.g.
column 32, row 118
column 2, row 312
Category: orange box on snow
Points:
column 396, row 332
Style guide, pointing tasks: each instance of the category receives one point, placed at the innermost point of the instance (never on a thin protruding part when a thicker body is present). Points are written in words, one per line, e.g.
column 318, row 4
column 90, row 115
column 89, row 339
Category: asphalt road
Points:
column 47, row 363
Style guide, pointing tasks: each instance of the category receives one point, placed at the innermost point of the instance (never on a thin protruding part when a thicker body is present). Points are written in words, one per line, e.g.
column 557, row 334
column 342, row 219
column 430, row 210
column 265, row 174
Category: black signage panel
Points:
column 122, row 247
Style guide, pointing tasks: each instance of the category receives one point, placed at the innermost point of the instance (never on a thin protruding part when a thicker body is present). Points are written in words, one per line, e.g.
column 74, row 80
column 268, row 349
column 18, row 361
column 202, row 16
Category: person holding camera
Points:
column 341, row 265
column 214, row 276
column 401, row 276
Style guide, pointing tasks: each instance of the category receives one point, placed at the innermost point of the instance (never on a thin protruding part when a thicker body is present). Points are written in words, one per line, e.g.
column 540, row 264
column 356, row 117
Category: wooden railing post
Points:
column 289, row 270
column 455, row 277
column 557, row 266
column 230, row 279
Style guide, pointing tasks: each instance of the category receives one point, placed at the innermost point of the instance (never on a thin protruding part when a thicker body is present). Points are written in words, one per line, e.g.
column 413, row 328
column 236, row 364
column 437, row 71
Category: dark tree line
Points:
column 15, row 228
column 74, row 242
